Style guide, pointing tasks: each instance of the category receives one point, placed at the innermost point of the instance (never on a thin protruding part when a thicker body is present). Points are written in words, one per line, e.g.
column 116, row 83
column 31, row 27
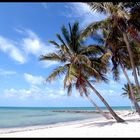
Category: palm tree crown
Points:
column 77, row 59
column 126, row 92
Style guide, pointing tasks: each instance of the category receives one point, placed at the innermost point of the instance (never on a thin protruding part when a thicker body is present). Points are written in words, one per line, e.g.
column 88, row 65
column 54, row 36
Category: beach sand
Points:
column 85, row 128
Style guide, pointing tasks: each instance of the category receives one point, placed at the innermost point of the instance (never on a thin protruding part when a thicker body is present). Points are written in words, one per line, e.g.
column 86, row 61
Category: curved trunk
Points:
column 115, row 116
column 103, row 113
column 132, row 97
column 132, row 61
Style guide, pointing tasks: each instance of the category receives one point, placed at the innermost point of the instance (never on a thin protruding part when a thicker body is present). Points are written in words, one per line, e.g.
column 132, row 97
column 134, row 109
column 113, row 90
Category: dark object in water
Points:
column 78, row 111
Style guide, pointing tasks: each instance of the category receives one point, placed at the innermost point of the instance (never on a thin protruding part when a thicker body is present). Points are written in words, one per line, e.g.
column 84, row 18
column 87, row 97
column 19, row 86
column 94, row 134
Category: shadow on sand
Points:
column 110, row 122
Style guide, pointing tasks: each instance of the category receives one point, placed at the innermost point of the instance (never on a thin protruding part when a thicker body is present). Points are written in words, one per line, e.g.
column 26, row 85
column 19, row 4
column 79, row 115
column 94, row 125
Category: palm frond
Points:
column 83, row 59
column 127, row 92
column 65, row 50
column 54, row 43
column 92, row 50
column 138, row 98
column 105, row 57
column 134, row 17
column 90, row 71
column 98, row 6
column 99, row 65
column 104, row 78
column 115, row 72
column 93, row 27
column 80, row 85
column 72, row 69
column 124, row 94
column 57, row 72
column 60, row 38
column 68, row 78
column 131, row 5
column 69, row 89
column 66, row 34
column 75, row 37
column 52, row 57
column 75, row 28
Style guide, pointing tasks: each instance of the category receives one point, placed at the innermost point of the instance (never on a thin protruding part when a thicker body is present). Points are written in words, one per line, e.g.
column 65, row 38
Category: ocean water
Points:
column 11, row 117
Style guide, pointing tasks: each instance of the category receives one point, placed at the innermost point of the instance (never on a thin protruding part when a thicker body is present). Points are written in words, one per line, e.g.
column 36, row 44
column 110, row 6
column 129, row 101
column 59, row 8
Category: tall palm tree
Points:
column 117, row 17
column 120, row 57
column 112, row 39
column 77, row 61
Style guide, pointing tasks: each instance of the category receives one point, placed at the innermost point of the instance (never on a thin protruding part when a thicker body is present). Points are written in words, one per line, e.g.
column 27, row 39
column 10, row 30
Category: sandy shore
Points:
column 85, row 128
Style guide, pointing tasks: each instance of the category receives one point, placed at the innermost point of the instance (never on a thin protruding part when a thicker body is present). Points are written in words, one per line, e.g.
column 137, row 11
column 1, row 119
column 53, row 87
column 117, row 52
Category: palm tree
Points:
column 117, row 17
column 120, row 57
column 77, row 61
column 131, row 94
column 127, row 91
column 112, row 39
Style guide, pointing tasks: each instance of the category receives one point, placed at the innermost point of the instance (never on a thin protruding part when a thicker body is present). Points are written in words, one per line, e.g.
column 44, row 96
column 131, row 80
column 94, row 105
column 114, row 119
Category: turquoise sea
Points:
column 31, row 116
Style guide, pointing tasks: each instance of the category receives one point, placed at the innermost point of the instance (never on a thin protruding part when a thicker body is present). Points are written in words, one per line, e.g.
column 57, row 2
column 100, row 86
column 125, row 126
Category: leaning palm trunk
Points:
column 115, row 116
column 132, row 61
column 100, row 111
column 131, row 97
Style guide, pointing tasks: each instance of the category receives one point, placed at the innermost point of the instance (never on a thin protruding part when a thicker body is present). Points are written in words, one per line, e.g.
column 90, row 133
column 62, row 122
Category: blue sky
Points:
column 25, row 29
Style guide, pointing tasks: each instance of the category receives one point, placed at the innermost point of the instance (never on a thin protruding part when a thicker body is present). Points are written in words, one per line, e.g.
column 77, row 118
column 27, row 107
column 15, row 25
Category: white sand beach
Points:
column 85, row 128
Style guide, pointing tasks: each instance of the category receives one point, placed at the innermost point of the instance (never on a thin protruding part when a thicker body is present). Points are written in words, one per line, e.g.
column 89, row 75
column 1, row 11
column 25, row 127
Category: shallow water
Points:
column 20, row 117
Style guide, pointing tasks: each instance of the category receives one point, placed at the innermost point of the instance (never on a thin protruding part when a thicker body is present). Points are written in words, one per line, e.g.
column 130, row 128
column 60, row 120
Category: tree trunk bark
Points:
column 115, row 116
column 132, row 97
column 132, row 61
column 103, row 113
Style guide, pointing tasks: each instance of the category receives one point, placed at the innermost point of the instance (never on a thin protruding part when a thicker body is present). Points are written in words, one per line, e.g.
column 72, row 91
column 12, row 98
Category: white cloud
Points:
column 38, row 89
column 84, row 13
column 21, row 93
column 79, row 8
column 29, row 45
column 34, row 80
column 32, row 44
column 34, row 92
column 6, row 72
column 8, row 46
column 111, row 92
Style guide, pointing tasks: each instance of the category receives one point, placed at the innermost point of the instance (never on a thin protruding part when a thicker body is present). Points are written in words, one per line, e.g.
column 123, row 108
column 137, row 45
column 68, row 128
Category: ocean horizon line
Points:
column 57, row 106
